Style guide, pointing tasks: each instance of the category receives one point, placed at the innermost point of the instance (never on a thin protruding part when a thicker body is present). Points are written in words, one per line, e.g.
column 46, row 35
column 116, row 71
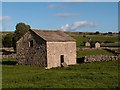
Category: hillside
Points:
column 81, row 38
column 84, row 37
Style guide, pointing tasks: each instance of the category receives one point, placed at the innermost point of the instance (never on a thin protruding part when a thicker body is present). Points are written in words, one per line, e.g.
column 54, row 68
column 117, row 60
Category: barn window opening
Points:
column 31, row 43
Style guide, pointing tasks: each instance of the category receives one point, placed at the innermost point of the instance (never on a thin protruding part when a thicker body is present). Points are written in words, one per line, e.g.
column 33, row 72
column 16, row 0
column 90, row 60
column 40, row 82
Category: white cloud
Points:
column 77, row 25
column 65, row 27
column 2, row 18
column 67, row 14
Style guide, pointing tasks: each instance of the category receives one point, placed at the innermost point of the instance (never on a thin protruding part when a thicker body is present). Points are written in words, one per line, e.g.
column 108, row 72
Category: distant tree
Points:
column 21, row 29
column 80, row 32
column 7, row 40
column 84, row 35
column 119, row 32
column 105, row 33
column 91, row 33
column 97, row 32
column 109, row 32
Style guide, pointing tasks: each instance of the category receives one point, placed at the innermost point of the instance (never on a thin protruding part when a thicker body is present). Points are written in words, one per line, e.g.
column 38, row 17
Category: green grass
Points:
column 92, row 52
column 104, row 38
column 101, row 38
column 86, row 75
column 79, row 39
column 111, row 44
column 8, row 59
column 118, row 50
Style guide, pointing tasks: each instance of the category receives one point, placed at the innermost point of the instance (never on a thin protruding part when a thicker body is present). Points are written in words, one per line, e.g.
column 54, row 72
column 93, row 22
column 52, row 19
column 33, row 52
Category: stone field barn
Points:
column 46, row 48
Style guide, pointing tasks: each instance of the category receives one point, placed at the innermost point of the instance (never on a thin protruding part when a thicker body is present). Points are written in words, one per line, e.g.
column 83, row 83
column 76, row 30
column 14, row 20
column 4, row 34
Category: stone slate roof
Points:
column 53, row 36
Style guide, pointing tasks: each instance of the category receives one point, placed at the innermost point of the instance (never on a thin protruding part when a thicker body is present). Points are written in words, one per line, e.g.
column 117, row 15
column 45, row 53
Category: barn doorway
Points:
column 61, row 59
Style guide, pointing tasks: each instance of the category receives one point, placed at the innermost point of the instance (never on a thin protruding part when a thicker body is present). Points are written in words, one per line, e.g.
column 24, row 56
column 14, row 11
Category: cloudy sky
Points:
column 65, row 16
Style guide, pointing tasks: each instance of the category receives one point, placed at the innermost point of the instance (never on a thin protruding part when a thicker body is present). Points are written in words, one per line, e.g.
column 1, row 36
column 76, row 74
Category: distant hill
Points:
column 82, row 37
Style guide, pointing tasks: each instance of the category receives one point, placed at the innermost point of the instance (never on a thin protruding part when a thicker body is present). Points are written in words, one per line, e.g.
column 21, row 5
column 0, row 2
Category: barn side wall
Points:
column 35, row 55
column 56, row 49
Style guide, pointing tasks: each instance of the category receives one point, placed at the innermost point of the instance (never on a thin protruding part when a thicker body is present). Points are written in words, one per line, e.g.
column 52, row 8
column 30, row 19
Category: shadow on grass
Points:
column 80, row 59
column 112, row 51
column 9, row 62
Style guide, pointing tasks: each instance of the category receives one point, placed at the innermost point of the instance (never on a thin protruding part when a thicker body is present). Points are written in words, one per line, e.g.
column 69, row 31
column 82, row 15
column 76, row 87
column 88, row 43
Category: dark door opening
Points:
column 61, row 58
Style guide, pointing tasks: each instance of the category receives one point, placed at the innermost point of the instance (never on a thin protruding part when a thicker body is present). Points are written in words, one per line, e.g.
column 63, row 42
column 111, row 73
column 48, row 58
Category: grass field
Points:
column 101, row 38
column 82, row 53
column 79, row 39
column 111, row 44
column 85, row 75
column 104, row 38
column 117, row 50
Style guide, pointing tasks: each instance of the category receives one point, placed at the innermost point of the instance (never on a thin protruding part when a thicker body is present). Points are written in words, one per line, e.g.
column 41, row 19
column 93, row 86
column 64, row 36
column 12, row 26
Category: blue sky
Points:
column 59, row 0
column 66, row 16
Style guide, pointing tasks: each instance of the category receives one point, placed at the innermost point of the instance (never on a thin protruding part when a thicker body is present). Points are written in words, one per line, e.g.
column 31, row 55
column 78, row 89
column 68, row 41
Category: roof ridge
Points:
column 44, row 30
column 53, row 35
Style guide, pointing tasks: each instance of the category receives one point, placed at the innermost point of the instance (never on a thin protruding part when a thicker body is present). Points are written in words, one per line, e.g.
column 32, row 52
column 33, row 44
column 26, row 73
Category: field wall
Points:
column 94, row 58
column 8, row 56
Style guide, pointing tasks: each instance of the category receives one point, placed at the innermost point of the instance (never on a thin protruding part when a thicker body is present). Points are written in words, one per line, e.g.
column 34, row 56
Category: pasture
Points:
column 84, row 75
column 101, row 38
column 82, row 53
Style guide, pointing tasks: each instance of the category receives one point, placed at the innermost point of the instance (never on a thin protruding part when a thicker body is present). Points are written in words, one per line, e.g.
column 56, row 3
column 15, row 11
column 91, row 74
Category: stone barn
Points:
column 95, row 45
column 87, row 44
column 46, row 48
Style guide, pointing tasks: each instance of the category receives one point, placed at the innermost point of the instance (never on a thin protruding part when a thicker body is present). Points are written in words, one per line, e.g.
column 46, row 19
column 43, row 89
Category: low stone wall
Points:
column 94, row 58
column 8, row 56
column 91, row 58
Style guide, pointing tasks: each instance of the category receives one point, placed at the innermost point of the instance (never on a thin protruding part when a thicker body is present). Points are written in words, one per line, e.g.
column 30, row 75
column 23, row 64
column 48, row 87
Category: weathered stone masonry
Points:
column 35, row 55
column 56, row 49
column 45, row 48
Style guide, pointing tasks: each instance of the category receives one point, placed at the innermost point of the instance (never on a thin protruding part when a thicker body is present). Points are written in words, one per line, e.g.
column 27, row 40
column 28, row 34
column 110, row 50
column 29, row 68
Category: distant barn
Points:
column 87, row 44
column 95, row 45
column 46, row 48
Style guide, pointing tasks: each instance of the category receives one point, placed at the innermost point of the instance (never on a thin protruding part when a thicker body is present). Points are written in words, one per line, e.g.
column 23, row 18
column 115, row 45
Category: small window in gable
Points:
column 31, row 43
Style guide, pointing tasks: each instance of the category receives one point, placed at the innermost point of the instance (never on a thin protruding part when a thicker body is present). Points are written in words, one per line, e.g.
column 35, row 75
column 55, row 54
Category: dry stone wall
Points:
column 94, row 58
column 8, row 56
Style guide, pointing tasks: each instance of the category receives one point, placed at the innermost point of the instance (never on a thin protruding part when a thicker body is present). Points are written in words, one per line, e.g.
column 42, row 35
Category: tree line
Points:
column 10, row 39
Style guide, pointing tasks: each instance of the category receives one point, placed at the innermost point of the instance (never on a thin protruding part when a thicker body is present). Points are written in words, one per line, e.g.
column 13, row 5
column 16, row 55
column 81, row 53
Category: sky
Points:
column 65, row 16
column 59, row 0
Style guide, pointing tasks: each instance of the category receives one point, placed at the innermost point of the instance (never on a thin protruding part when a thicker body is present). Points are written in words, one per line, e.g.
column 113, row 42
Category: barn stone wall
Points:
column 56, row 49
column 35, row 55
